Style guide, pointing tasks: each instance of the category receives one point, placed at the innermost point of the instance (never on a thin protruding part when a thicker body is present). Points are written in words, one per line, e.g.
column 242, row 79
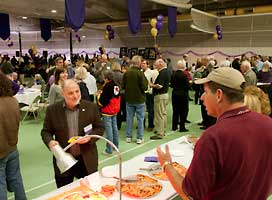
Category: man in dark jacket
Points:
column 69, row 118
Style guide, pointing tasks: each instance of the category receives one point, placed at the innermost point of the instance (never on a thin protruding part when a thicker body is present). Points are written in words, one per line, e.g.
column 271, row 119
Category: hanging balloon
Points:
column 160, row 18
column 215, row 36
column 111, row 34
column 153, row 22
column 109, row 28
column 30, row 51
column 78, row 37
column 10, row 42
column 101, row 50
column 218, row 32
column 159, row 25
column 154, row 32
column 106, row 35
column 34, row 50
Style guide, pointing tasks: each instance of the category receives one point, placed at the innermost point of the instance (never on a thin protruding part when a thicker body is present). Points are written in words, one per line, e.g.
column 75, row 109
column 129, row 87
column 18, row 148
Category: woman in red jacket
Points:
column 109, row 101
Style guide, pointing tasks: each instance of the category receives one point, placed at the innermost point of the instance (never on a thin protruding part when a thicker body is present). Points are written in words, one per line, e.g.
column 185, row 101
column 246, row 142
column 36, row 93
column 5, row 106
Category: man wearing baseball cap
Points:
column 232, row 159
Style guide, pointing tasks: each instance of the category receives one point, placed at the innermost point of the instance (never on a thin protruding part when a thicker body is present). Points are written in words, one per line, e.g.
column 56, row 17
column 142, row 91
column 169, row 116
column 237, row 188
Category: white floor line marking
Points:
column 102, row 161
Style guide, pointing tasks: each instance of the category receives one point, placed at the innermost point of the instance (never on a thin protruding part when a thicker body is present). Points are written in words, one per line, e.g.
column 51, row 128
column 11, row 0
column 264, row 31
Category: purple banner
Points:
column 4, row 24
column 134, row 15
column 75, row 13
column 172, row 20
column 45, row 29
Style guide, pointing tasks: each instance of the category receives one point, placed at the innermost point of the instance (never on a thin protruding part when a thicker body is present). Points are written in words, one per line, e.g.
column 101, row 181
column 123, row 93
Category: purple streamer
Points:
column 164, row 52
column 207, row 54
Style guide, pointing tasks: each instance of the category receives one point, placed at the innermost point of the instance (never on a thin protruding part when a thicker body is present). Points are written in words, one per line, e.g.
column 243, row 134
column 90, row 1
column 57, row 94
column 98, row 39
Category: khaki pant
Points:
column 160, row 113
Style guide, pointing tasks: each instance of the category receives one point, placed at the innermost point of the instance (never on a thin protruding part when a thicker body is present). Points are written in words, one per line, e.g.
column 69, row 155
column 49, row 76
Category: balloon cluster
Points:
column 32, row 51
column 156, row 24
column 109, row 33
column 10, row 42
column 102, row 49
column 78, row 37
column 218, row 34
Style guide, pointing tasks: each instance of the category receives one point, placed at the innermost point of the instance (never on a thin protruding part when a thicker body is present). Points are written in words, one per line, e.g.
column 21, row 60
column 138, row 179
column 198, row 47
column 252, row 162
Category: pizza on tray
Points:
column 79, row 193
column 159, row 174
column 143, row 187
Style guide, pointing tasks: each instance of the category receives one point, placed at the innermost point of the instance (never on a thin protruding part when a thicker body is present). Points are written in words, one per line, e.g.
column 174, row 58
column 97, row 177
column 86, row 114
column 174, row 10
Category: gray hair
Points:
column 160, row 62
column 181, row 64
column 246, row 63
column 108, row 74
column 80, row 73
column 67, row 82
column 136, row 61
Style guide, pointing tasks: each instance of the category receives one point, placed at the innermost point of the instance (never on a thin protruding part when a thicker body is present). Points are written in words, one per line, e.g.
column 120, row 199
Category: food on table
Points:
column 143, row 188
column 159, row 174
column 192, row 139
column 85, row 196
column 79, row 193
column 107, row 190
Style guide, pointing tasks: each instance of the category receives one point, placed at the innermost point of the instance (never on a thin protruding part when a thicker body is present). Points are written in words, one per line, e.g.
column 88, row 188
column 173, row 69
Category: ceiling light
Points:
column 53, row 11
column 83, row 36
column 24, row 17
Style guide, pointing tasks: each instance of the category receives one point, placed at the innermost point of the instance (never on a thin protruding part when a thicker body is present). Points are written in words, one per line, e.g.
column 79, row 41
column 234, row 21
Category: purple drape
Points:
column 172, row 21
column 75, row 13
column 45, row 29
column 4, row 24
column 134, row 15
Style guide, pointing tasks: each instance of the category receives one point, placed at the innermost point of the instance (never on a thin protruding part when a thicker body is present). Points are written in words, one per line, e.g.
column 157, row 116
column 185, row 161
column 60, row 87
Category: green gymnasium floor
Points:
column 36, row 159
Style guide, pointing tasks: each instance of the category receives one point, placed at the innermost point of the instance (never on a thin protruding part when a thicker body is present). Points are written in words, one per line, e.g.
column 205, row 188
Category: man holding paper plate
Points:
column 70, row 118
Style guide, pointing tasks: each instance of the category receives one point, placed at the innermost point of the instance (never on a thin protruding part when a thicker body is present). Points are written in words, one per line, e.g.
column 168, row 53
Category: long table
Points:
column 181, row 152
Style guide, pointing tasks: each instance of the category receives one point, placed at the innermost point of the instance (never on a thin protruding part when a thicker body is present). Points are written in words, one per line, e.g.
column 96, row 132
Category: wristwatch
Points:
column 165, row 164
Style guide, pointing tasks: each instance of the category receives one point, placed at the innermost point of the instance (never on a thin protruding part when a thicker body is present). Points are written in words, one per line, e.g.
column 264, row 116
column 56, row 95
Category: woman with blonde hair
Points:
column 256, row 100
column 265, row 75
column 80, row 75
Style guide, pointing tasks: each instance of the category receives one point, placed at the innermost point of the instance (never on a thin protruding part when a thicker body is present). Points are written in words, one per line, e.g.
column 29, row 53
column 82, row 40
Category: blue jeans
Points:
column 112, row 134
column 10, row 177
column 140, row 111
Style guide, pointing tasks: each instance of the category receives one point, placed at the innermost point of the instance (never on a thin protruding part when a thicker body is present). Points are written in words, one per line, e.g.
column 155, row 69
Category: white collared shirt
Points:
column 151, row 76
column 90, row 83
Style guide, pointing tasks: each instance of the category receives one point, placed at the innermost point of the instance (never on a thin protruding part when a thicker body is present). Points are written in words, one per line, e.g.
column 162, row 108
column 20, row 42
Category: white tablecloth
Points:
column 28, row 95
column 181, row 153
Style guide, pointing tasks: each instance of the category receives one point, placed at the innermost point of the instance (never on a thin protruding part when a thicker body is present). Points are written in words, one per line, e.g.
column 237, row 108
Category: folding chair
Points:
column 33, row 108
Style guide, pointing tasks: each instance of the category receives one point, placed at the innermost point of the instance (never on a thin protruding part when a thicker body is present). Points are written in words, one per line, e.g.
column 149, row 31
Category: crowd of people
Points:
column 90, row 96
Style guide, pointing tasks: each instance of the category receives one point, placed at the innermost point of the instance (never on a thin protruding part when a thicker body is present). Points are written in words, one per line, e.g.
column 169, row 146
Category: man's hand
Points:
column 164, row 156
column 52, row 143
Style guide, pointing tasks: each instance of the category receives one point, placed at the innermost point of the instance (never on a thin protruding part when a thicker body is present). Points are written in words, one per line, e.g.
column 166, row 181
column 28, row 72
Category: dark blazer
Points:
column 55, row 128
